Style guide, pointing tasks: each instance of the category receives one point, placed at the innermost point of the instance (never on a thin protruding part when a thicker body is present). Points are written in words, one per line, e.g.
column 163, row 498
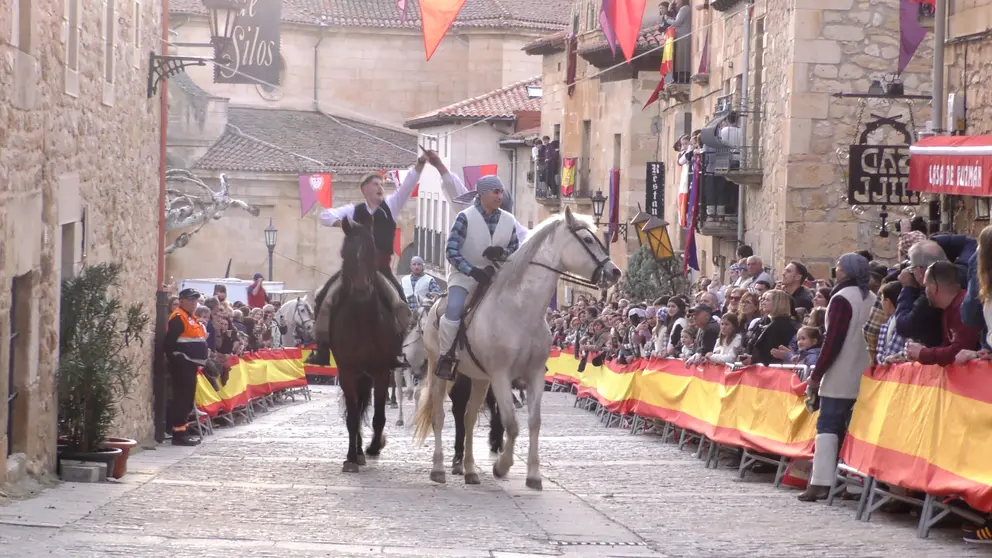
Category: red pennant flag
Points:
column 627, row 24
column 667, row 59
column 437, row 17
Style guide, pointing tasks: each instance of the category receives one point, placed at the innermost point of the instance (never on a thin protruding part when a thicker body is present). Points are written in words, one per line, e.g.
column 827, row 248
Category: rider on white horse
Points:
column 481, row 234
column 418, row 285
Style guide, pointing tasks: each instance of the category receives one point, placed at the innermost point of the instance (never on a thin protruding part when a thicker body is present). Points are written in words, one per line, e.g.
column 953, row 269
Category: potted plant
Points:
column 97, row 365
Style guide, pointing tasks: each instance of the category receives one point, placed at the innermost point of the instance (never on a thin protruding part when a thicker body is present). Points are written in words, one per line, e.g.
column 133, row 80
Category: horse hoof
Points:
column 536, row 484
column 399, row 422
column 349, row 467
column 497, row 473
column 456, row 467
column 472, row 478
column 360, row 461
column 438, row 477
column 495, row 449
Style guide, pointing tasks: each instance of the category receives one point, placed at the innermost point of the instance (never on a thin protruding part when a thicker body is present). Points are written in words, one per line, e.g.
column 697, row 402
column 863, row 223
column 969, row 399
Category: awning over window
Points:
column 959, row 165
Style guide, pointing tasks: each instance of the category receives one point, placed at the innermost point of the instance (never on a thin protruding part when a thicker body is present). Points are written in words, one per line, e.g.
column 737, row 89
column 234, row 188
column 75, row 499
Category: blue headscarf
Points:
column 855, row 266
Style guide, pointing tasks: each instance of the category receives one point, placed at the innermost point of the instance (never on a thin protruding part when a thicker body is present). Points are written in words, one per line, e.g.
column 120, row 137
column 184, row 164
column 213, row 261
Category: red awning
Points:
column 959, row 165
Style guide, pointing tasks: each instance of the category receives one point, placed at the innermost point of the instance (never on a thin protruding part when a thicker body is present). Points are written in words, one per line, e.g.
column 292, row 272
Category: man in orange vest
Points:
column 186, row 351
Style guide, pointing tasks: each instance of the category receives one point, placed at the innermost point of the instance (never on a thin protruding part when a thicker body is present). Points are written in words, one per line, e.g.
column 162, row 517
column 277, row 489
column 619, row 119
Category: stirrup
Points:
column 445, row 368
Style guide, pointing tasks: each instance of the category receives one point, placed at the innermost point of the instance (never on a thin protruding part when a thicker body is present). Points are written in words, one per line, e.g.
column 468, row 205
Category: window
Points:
column 12, row 365
column 431, row 142
column 68, row 250
column 109, row 29
column 22, row 306
column 557, row 133
column 21, row 30
column 72, row 27
column 136, row 24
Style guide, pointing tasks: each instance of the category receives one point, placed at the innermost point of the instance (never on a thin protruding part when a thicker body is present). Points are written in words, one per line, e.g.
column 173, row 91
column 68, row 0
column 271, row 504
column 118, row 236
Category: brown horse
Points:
column 364, row 340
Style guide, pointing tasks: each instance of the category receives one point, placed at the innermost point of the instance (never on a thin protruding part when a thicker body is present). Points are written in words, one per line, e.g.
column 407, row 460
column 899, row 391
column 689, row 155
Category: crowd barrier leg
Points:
column 669, row 430
column 878, row 496
column 846, row 476
column 635, row 424
column 934, row 510
column 783, row 465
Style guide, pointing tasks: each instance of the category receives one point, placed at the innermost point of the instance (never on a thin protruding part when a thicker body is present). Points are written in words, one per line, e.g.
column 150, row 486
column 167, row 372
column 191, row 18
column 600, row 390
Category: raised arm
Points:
column 333, row 217
column 398, row 199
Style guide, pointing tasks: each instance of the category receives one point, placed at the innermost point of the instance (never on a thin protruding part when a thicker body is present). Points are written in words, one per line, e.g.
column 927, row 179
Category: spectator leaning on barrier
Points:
column 975, row 310
column 836, row 380
column 709, row 330
column 943, row 288
column 915, row 317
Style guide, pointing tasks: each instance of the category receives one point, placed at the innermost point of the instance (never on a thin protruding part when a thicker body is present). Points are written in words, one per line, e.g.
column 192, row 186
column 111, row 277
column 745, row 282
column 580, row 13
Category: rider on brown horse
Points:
column 379, row 210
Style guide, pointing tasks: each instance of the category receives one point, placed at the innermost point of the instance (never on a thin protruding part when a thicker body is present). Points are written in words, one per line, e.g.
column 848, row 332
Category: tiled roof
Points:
column 500, row 104
column 556, row 42
column 265, row 140
column 520, row 14
column 188, row 86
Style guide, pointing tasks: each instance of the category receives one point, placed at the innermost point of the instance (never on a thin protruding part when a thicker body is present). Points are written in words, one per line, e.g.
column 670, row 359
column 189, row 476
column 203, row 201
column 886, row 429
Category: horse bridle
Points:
column 600, row 263
column 302, row 324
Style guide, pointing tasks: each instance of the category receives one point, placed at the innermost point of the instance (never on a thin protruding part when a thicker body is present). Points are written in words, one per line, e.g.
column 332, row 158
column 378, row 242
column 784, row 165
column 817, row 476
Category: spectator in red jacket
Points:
column 256, row 293
column 943, row 289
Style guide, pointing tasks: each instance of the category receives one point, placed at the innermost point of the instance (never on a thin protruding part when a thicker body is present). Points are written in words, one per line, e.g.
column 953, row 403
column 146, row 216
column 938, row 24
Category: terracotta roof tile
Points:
column 521, row 14
column 556, row 42
column 266, row 140
column 500, row 104
column 651, row 37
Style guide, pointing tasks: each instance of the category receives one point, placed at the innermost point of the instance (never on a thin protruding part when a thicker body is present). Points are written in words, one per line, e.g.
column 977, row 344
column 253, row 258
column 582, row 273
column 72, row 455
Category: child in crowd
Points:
column 730, row 344
column 809, row 339
column 687, row 340
column 891, row 346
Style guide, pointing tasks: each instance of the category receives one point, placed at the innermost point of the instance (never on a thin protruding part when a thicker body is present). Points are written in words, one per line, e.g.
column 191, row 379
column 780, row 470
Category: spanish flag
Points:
column 667, row 63
column 568, row 177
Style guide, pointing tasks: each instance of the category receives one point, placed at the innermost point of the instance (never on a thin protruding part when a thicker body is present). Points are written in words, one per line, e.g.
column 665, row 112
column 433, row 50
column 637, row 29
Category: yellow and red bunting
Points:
column 759, row 408
column 920, row 427
column 252, row 377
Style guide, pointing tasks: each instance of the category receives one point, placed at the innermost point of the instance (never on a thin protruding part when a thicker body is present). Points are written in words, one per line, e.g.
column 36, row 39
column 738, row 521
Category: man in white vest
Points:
column 836, row 379
column 418, row 285
column 481, row 234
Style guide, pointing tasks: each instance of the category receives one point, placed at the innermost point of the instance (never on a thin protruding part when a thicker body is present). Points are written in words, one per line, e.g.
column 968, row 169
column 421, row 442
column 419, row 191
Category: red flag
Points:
column 667, row 61
column 627, row 24
column 437, row 17
column 322, row 187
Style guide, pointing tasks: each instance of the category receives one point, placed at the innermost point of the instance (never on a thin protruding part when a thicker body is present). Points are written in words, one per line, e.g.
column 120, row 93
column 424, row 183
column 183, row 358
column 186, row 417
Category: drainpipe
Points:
column 161, row 296
column 741, row 190
column 316, row 50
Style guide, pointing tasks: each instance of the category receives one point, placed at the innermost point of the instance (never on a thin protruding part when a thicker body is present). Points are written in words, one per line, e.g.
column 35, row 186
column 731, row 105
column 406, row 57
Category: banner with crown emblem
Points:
column 315, row 188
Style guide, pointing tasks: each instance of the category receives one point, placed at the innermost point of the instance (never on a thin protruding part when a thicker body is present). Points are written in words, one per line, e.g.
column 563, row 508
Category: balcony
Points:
column 741, row 164
column 594, row 49
column 724, row 5
column 718, row 203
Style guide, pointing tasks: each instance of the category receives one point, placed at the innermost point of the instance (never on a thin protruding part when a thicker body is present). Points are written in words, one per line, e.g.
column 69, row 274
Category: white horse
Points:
column 508, row 338
column 298, row 316
column 416, row 357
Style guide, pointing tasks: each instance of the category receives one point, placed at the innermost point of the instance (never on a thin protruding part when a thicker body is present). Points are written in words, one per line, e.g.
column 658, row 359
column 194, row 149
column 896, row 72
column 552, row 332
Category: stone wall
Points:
column 78, row 185
column 380, row 74
column 840, row 46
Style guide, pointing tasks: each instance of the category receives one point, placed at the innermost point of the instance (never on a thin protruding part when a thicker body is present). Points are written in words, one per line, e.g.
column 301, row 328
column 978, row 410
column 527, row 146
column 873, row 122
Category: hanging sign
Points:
column 879, row 174
column 253, row 57
column 654, row 190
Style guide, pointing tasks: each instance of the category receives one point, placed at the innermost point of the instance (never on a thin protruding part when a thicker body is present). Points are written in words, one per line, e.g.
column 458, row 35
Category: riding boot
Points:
column 824, row 468
column 448, row 362
column 321, row 356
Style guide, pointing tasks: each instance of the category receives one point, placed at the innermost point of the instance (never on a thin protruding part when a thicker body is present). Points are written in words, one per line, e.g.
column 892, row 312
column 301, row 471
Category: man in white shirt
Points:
column 418, row 285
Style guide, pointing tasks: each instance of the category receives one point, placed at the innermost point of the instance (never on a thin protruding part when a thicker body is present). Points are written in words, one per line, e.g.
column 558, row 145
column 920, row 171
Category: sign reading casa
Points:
column 952, row 165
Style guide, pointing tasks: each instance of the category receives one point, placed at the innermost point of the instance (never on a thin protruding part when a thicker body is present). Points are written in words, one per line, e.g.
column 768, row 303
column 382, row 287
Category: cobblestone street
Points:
column 275, row 488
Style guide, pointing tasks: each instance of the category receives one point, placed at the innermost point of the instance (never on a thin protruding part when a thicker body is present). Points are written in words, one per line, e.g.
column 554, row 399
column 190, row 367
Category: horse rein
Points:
column 600, row 263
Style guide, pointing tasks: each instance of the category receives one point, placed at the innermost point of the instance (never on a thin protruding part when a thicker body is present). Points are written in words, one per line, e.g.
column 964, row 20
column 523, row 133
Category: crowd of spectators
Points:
column 933, row 305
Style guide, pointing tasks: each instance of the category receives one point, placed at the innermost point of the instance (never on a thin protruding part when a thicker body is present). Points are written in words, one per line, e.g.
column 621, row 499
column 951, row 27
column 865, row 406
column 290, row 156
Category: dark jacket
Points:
column 916, row 319
column 777, row 333
column 959, row 248
column 706, row 338
column 972, row 309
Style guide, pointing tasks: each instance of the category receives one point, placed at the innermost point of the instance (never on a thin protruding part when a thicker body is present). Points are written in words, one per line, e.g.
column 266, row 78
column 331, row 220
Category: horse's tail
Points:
column 423, row 422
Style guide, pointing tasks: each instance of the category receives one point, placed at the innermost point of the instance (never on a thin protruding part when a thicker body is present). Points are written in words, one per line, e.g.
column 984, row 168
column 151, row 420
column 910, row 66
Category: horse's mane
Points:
column 514, row 267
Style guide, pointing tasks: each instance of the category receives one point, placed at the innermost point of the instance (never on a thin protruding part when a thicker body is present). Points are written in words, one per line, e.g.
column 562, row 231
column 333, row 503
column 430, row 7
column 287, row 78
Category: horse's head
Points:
column 583, row 253
column 358, row 266
column 303, row 317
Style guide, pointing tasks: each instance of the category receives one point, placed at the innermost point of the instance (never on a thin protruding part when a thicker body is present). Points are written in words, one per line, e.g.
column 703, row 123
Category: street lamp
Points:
column 222, row 17
column 637, row 222
column 598, row 204
column 270, row 242
column 656, row 233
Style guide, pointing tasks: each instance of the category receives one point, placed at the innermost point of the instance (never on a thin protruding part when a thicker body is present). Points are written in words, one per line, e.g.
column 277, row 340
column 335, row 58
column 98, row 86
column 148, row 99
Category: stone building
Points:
column 263, row 152
column 79, row 179
column 795, row 131
column 358, row 62
column 497, row 128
